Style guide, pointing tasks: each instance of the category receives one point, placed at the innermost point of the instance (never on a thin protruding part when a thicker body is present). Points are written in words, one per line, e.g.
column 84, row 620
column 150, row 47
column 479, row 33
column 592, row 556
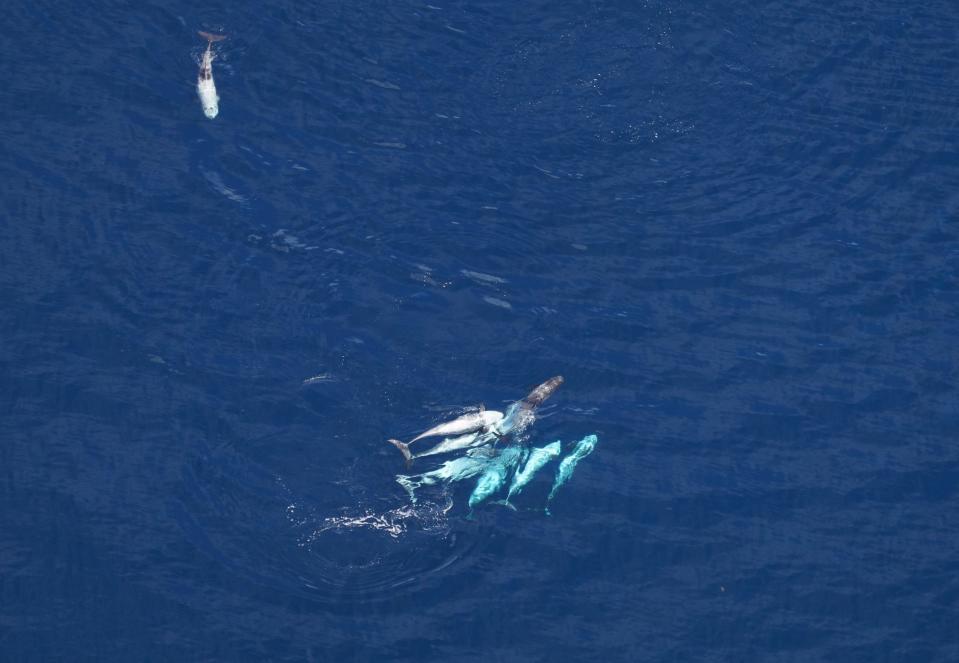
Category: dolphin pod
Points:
column 513, row 465
column 496, row 467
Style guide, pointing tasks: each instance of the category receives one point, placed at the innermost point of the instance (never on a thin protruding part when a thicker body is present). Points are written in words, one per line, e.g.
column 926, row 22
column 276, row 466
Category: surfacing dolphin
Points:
column 205, row 88
column 467, row 428
column 522, row 414
column 517, row 419
column 451, row 444
column 467, row 423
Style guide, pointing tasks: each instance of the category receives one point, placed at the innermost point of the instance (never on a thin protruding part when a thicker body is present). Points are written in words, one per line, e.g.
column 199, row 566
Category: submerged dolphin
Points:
column 537, row 459
column 497, row 471
column 565, row 470
column 205, row 88
column 457, row 469
column 467, row 427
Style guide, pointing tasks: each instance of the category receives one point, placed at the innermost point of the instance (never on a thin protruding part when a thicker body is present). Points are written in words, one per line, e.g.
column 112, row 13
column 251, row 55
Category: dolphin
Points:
column 456, row 469
column 467, row 423
column 519, row 416
column 522, row 413
column 496, row 474
column 537, row 459
column 448, row 445
column 565, row 470
column 205, row 88
column 466, row 427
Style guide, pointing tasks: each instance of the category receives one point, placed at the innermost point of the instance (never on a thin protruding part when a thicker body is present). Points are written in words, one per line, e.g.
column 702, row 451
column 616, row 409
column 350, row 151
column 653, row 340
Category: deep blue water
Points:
column 731, row 226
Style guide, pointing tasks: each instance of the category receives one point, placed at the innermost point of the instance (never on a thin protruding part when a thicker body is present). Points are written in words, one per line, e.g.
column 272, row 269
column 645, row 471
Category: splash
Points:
column 424, row 516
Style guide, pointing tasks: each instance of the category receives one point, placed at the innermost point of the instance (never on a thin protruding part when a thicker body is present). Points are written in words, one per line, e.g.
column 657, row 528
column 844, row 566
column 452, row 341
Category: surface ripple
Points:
column 730, row 227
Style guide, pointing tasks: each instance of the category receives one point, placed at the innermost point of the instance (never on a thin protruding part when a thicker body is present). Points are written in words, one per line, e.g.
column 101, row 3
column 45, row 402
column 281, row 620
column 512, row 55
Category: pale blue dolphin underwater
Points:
column 456, row 469
column 565, row 470
column 497, row 471
column 495, row 466
column 537, row 459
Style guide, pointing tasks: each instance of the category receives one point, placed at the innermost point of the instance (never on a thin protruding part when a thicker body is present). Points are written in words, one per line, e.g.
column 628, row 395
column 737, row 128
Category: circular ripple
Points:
column 382, row 549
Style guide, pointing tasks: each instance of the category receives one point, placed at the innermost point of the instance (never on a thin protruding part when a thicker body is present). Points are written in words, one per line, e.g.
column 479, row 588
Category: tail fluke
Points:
column 404, row 449
column 210, row 37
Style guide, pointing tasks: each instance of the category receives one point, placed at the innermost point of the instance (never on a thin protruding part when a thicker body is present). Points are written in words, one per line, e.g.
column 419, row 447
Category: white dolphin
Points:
column 473, row 430
column 466, row 428
column 205, row 88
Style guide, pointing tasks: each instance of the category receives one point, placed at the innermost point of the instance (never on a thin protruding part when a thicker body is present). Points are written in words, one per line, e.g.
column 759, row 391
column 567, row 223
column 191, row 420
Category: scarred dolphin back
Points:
column 542, row 392
column 210, row 37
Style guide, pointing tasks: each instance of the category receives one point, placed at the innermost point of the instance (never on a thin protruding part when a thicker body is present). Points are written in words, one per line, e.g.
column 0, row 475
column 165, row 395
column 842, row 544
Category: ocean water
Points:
column 732, row 227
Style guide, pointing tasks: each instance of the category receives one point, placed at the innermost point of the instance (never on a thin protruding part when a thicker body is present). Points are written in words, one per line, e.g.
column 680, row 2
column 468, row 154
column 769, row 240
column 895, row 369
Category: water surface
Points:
column 730, row 226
